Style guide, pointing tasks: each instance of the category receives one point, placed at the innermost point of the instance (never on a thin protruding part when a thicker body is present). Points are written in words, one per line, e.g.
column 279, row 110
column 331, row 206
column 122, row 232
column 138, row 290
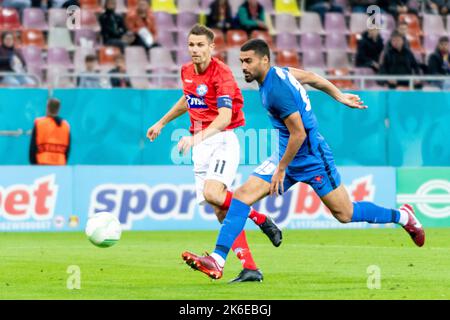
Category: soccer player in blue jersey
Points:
column 303, row 156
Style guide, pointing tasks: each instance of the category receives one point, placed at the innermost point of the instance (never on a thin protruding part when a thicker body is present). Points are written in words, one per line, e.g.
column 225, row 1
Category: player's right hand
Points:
column 154, row 131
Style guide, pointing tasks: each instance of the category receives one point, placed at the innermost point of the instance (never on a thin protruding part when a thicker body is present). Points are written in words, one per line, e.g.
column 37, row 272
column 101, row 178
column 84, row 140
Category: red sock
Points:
column 242, row 251
column 257, row 217
column 227, row 202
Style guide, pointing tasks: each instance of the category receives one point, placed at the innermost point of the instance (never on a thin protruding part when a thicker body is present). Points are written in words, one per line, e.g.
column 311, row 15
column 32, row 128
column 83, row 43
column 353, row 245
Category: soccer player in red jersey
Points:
column 214, row 102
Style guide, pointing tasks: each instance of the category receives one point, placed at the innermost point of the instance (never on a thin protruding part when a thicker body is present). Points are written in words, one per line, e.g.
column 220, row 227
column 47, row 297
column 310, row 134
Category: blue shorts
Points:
column 322, row 178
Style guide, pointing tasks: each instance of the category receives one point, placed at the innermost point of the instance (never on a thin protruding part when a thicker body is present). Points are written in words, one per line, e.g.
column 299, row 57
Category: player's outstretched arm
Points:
column 177, row 110
column 322, row 84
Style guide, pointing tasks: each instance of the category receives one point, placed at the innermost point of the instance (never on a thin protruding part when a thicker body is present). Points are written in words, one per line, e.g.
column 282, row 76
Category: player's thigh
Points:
column 339, row 203
column 253, row 190
column 201, row 158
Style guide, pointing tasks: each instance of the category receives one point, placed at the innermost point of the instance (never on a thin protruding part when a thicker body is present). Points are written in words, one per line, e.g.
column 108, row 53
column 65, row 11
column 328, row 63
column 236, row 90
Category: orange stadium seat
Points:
column 343, row 84
column 288, row 58
column 219, row 40
column 32, row 37
column 90, row 5
column 9, row 19
column 264, row 35
column 107, row 55
column 353, row 42
column 236, row 38
column 132, row 4
column 415, row 43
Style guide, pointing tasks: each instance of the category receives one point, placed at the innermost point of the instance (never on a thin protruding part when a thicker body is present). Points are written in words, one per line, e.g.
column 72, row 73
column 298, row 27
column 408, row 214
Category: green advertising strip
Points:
column 428, row 191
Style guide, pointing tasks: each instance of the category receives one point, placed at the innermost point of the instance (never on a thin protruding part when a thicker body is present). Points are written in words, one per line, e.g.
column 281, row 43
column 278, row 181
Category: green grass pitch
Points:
column 310, row 264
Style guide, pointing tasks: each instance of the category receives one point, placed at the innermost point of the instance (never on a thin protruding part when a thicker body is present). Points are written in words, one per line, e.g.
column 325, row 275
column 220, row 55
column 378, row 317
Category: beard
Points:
column 249, row 77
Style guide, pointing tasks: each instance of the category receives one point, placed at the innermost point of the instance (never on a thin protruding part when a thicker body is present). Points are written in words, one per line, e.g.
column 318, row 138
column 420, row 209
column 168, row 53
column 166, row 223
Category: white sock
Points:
column 220, row 261
column 404, row 217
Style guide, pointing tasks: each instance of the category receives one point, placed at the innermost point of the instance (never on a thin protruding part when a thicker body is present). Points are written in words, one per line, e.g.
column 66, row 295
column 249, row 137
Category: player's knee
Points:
column 211, row 196
column 342, row 216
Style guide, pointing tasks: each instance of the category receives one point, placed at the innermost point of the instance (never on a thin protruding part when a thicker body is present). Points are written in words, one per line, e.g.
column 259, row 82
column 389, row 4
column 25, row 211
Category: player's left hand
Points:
column 277, row 184
column 352, row 101
column 185, row 144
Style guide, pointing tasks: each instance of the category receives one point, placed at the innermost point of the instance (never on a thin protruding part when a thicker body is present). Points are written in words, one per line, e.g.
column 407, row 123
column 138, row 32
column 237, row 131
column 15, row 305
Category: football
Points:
column 103, row 229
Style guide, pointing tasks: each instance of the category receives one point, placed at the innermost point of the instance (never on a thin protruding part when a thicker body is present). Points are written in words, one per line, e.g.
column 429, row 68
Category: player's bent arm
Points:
column 322, row 84
column 177, row 110
column 316, row 81
column 219, row 124
column 297, row 136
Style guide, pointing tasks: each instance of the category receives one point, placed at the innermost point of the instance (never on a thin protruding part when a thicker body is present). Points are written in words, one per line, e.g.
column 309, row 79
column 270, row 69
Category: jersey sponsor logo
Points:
column 202, row 89
column 21, row 202
column 195, row 102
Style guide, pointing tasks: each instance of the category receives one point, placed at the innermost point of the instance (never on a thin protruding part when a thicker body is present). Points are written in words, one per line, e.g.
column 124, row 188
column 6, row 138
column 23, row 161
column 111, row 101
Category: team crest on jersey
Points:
column 202, row 90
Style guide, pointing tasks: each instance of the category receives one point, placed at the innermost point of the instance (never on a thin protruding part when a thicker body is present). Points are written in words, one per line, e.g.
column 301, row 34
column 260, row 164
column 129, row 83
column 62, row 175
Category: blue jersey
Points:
column 282, row 95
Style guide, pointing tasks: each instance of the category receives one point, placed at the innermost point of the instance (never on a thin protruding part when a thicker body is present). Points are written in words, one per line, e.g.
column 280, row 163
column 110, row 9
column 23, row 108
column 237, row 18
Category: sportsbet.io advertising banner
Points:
column 163, row 197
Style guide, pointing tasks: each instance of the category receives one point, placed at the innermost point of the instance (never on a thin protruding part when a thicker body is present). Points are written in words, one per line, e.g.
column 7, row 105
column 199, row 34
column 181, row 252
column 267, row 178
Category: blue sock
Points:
column 370, row 212
column 232, row 226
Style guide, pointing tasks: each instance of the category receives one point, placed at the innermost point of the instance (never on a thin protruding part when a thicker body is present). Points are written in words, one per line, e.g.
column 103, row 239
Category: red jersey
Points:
column 205, row 93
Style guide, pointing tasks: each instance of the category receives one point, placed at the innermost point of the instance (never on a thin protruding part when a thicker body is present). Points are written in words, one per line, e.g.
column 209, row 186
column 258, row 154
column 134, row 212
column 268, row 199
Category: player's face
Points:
column 200, row 48
column 252, row 65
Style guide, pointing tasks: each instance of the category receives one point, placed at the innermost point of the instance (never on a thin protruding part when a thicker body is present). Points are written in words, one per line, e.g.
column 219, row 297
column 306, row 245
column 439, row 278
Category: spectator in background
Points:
column 87, row 79
column 113, row 29
column 251, row 16
column 43, row 4
column 402, row 29
column 11, row 60
column 220, row 15
column 369, row 49
column 122, row 82
column 438, row 6
column 398, row 60
column 439, row 63
column 19, row 5
column 395, row 7
column 69, row 3
column 142, row 23
column 50, row 138
column 322, row 7
column 360, row 6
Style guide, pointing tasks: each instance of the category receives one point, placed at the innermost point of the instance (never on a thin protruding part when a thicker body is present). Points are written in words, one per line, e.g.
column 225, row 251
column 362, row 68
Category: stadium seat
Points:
column 166, row 40
column 219, row 40
column 107, row 55
column 233, row 61
column 89, row 20
column 32, row 37
column 311, row 41
column 286, row 23
column 34, row 18
column 263, row 35
column 430, row 42
column 286, row 41
column 337, row 59
column 236, row 38
column 57, row 18
column 34, row 60
column 335, row 22
column 164, row 5
column 313, row 59
column 412, row 21
column 86, row 38
column 165, row 21
column 388, row 22
column 90, row 5
column 59, row 57
column 182, row 57
column 161, row 59
column 10, row 19
column 188, row 6
column 235, row 4
column 448, row 24
column 336, row 41
column 186, row 20
column 358, row 22
column 60, row 37
column 182, row 39
column 342, row 83
column 310, row 22
column 54, row 78
column 287, row 6
column 138, row 56
column 288, row 58
column 353, row 42
column 268, row 6
column 433, row 24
